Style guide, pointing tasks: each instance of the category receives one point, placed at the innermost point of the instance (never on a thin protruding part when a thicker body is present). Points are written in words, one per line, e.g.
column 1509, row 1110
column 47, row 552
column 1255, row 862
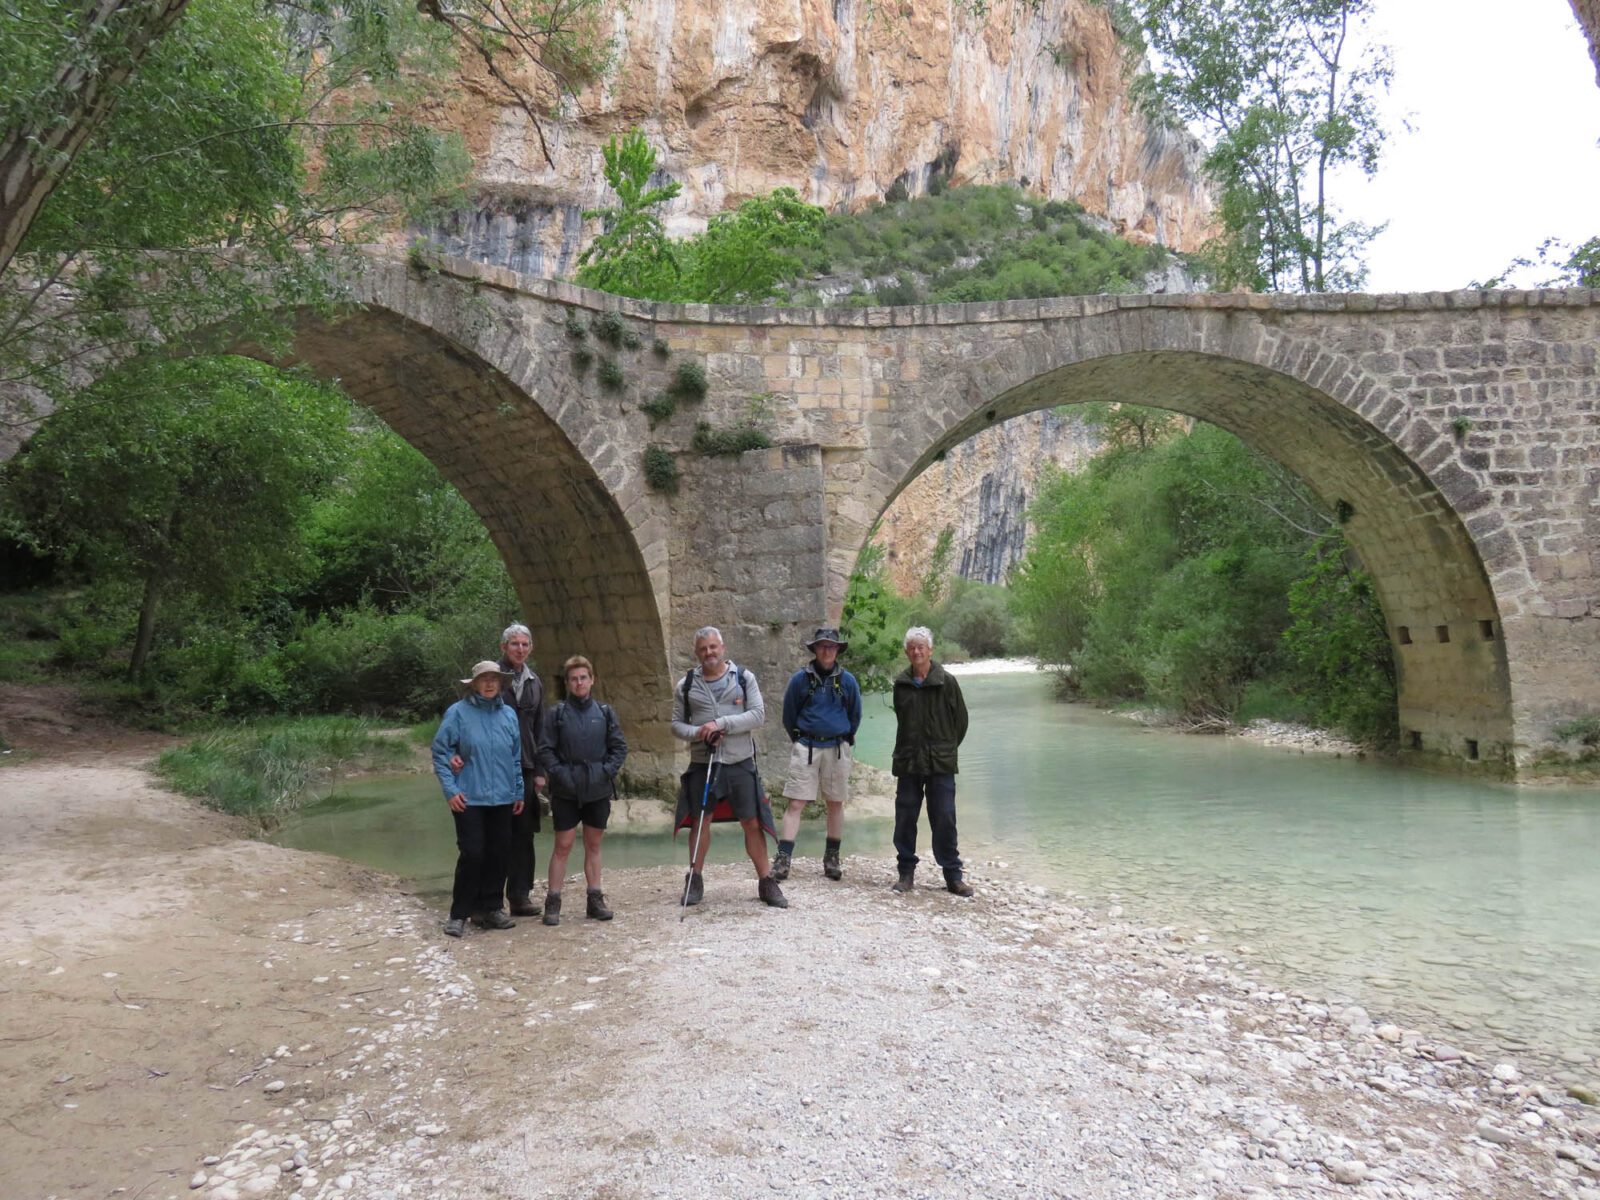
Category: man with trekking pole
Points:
column 821, row 713
column 717, row 708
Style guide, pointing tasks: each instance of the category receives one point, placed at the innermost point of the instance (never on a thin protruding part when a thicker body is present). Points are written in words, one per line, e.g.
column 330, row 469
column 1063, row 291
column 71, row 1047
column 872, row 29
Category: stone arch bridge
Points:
column 1461, row 429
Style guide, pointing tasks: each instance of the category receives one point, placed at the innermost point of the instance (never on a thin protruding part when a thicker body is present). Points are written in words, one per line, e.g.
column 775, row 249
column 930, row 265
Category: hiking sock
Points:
column 785, row 847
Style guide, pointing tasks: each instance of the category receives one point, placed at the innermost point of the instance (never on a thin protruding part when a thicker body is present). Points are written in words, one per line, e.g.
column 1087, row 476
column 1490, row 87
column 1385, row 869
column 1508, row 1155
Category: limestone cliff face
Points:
column 1588, row 12
column 742, row 96
column 981, row 491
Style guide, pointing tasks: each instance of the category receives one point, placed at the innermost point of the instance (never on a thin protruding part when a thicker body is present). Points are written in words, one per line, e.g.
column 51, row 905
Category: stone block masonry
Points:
column 1460, row 430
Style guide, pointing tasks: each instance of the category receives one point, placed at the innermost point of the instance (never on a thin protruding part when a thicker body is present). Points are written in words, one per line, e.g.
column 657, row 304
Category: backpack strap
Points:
column 683, row 691
column 739, row 675
column 813, row 683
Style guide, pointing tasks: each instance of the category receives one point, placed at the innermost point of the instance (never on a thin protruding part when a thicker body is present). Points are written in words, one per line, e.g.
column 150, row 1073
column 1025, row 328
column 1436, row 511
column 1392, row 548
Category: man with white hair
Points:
column 526, row 697
column 930, row 723
column 716, row 709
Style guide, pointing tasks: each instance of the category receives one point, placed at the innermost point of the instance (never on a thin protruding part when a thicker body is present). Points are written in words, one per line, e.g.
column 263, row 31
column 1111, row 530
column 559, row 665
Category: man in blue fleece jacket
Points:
column 821, row 713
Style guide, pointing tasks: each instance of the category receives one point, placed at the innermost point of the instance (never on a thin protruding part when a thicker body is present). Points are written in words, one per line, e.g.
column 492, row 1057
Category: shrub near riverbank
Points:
column 262, row 769
column 1185, row 571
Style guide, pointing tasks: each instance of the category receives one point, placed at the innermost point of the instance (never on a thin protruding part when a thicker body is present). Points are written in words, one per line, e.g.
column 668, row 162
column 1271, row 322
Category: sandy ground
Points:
column 186, row 1012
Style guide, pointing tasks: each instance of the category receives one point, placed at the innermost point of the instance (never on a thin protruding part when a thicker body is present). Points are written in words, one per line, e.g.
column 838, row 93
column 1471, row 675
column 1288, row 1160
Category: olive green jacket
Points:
column 930, row 722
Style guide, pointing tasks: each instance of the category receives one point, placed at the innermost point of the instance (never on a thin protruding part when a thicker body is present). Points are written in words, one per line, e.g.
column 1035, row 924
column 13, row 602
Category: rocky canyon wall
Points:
column 840, row 101
column 1588, row 13
column 981, row 491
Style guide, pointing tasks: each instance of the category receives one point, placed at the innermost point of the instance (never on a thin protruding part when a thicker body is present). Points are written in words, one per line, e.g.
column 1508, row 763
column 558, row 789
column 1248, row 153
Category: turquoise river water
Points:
column 1470, row 908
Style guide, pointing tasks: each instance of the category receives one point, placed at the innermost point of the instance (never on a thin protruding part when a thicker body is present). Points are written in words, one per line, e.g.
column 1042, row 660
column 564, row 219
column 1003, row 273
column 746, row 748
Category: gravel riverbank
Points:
column 190, row 1014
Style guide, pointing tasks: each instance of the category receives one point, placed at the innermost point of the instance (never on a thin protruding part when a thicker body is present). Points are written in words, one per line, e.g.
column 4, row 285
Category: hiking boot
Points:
column 597, row 905
column 552, row 908
column 780, row 865
column 494, row 919
column 771, row 894
column 697, row 888
column 903, row 884
column 455, row 927
column 954, row 884
column 830, row 865
column 523, row 906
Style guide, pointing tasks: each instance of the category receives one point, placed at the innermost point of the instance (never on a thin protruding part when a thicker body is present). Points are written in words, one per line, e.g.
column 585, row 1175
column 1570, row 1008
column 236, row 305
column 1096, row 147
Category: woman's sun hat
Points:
column 487, row 667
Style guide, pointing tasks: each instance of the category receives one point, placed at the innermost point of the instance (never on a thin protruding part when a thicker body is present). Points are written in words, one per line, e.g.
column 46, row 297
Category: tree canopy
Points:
column 741, row 258
column 168, row 166
column 1284, row 92
column 182, row 484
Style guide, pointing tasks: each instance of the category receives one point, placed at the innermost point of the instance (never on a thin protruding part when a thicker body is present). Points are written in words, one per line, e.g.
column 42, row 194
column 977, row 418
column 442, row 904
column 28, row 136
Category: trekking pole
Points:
column 699, row 821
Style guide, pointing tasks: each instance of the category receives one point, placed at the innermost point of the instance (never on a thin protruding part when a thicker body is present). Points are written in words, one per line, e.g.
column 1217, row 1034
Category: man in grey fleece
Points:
column 716, row 709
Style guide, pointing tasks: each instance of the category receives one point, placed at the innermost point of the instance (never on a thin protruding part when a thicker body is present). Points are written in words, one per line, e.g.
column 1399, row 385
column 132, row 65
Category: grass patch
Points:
column 1273, row 700
column 30, row 633
column 262, row 769
column 736, row 439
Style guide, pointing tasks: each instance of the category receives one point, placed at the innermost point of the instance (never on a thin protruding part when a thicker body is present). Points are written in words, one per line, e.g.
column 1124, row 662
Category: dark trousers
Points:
column 483, row 835
column 940, row 793
column 519, row 867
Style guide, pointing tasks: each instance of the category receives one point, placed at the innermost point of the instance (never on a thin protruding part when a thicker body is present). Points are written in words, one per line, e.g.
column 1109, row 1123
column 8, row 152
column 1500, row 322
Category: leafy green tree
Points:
column 1285, row 92
column 741, row 258
column 1339, row 644
column 937, row 577
column 632, row 255
column 1553, row 264
column 174, row 164
column 875, row 619
column 393, row 535
column 744, row 255
column 190, row 484
column 977, row 617
column 1185, row 569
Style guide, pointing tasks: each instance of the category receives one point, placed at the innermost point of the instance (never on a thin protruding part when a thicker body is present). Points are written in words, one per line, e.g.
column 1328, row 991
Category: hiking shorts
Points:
column 733, row 782
column 569, row 814
column 827, row 775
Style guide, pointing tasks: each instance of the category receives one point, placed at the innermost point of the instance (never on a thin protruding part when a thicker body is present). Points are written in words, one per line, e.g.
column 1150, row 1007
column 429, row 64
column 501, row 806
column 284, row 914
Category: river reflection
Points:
column 1415, row 895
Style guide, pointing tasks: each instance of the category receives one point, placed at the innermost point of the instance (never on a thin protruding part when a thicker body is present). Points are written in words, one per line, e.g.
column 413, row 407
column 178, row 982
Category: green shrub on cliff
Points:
column 974, row 243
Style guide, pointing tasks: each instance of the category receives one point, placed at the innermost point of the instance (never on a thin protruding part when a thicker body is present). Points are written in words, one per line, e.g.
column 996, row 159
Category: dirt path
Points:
column 173, row 993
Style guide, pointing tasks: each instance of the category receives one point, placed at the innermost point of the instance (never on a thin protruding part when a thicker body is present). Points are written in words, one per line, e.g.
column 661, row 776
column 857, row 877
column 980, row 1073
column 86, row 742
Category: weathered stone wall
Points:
column 839, row 102
column 1461, row 429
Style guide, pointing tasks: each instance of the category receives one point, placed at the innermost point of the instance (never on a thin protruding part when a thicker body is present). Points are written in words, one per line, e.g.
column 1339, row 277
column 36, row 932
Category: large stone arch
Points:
column 1462, row 428
column 1455, row 694
column 484, row 389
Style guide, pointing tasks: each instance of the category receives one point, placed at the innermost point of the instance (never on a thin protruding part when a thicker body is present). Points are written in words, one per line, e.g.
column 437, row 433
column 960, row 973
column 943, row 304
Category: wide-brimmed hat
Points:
column 828, row 634
column 487, row 667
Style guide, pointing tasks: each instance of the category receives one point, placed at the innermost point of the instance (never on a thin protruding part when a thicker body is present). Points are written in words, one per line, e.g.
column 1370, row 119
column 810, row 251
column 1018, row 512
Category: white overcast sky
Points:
column 1503, row 153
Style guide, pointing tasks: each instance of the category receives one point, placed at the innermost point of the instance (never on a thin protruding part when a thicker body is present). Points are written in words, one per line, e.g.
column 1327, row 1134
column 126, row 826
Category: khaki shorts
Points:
column 828, row 773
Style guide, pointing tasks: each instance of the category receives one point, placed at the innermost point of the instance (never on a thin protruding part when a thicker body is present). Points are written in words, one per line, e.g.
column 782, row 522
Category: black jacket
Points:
column 930, row 722
column 581, row 750
column 529, row 708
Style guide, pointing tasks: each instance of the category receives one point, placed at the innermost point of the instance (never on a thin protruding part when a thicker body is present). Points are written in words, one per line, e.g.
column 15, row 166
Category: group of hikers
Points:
column 499, row 745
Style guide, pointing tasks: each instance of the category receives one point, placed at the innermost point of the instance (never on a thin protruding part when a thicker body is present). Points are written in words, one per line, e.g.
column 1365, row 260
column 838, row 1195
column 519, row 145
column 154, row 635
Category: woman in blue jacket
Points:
column 480, row 733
